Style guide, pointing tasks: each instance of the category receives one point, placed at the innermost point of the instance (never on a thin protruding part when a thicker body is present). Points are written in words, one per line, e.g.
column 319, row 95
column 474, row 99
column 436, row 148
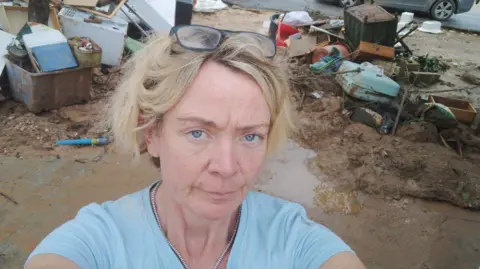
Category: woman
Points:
column 209, row 106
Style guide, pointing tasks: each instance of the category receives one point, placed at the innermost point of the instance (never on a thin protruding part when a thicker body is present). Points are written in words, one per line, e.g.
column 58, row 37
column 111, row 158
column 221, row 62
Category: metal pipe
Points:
column 135, row 23
column 408, row 33
column 404, row 27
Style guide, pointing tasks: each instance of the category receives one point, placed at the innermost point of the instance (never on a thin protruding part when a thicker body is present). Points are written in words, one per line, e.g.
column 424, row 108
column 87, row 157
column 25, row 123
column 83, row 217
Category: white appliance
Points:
column 110, row 35
column 158, row 14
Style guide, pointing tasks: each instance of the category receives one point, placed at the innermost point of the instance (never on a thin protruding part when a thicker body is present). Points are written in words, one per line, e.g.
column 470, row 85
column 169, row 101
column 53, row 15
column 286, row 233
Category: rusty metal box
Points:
column 50, row 90
column 370, row 23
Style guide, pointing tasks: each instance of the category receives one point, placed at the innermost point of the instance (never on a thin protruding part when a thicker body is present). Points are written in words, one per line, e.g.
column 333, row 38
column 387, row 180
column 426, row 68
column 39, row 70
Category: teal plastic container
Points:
column 368, row 84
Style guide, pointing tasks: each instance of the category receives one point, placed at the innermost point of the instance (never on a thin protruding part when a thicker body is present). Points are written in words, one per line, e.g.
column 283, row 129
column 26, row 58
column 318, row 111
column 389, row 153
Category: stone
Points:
column 471, row 78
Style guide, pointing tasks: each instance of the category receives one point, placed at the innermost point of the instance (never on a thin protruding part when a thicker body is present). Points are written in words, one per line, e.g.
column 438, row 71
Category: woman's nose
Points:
column 223, row 160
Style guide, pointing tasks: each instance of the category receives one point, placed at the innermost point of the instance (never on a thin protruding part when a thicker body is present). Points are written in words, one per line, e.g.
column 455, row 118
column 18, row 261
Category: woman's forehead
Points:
column 220, row 95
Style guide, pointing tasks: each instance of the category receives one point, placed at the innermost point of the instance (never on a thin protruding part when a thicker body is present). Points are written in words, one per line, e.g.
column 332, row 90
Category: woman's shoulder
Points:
column 130, row 206
column 278, row 226
column 98, row 229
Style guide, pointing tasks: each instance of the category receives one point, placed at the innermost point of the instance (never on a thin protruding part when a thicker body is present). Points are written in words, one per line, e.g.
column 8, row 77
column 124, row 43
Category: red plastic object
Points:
column 325, row 51
column 283, row 32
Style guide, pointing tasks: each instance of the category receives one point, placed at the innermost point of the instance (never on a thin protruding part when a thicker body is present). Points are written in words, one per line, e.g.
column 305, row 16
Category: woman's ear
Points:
column 152, row 139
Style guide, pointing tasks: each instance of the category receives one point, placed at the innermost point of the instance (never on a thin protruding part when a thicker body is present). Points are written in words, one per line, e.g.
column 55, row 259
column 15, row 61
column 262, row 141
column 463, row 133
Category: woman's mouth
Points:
column 220, row 196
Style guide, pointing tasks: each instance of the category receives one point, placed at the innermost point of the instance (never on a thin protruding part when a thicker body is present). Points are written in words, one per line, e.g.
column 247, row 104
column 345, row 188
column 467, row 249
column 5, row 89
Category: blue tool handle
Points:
column 84, row 141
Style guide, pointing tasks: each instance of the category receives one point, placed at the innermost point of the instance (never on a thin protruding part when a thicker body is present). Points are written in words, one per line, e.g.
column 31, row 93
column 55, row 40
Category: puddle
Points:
column 287, row 176
column 290, row 176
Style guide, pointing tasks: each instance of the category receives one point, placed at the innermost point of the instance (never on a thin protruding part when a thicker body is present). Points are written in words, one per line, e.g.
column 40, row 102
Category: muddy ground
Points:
column 355, row 181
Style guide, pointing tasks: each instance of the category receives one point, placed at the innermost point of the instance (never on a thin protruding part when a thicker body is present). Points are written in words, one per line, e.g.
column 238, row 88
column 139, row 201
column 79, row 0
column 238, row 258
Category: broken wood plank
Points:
column 375, row 49
column 108, row 16
column 81, row 3
column 318, row 29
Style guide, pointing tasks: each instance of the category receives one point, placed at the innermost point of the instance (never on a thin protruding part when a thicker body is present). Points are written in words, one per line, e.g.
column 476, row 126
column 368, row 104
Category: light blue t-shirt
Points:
column 121, row 234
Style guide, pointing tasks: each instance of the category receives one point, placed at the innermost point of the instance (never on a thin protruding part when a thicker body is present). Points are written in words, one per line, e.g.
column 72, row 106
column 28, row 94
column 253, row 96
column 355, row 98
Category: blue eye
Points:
column 251, row 137
column 197, row 134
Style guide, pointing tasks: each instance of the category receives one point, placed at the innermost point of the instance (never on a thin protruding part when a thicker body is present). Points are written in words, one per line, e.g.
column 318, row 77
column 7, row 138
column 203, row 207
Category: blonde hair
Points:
column 156, row 78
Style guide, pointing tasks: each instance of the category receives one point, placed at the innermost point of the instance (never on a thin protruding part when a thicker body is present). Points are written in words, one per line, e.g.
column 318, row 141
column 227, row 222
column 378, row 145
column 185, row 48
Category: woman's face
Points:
column 213, row 143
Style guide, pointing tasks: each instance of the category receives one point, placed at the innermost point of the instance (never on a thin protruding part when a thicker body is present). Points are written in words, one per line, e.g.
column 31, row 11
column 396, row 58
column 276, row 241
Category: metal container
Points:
column 46, row 91
column 370, row 23
column 90, row 56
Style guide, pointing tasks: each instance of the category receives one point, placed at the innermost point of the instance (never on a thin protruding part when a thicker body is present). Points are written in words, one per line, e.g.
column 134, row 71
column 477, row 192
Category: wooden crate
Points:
column 463, row 110
column 371, row 50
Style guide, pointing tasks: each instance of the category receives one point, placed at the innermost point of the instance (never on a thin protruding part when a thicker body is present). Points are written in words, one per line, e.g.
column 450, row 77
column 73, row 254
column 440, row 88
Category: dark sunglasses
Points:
column 204, row 38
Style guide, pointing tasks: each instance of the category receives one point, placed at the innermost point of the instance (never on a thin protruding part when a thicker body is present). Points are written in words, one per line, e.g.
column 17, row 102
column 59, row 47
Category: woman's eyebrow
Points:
column 197, row 119
column 254, row 126
column 212, row 124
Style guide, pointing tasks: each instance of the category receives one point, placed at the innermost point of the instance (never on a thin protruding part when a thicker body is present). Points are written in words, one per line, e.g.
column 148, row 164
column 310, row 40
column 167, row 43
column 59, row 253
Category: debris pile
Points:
column 66, row 53
column 361, row 108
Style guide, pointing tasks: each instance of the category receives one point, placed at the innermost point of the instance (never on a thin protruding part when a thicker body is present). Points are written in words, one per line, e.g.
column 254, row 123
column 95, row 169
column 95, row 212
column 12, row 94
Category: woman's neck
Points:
column 196, row 238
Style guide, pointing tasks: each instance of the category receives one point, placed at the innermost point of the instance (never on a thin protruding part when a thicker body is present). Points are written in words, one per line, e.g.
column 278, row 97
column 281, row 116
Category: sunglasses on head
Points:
column 204, row 38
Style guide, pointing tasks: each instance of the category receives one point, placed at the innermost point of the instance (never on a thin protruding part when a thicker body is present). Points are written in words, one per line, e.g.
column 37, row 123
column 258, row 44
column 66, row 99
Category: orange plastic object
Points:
column 325, row 51
column 376, row 50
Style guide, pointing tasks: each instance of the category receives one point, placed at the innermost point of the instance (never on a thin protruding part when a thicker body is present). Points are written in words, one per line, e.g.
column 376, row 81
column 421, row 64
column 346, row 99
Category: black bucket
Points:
column 272, row 30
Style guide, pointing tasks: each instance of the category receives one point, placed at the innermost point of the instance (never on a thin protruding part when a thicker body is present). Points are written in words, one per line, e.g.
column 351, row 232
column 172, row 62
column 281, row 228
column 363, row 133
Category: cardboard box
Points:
column 299, row 47
column 13, row 18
